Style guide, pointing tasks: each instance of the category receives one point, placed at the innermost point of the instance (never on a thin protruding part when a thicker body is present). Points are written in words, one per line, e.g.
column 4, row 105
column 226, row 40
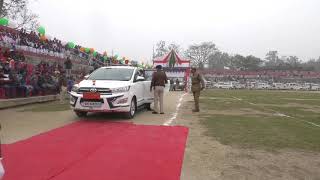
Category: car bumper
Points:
column 106, row 103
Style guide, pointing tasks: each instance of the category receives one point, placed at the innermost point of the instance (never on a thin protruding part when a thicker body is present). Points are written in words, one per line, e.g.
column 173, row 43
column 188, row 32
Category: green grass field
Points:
column 268, row 120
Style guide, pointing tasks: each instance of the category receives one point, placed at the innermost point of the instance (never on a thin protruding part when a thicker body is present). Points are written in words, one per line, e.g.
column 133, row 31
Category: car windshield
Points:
column 115, row 74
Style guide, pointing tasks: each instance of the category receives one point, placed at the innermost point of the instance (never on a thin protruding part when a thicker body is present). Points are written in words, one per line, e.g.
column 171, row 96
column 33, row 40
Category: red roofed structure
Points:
column 174, row 65
column 172, row 60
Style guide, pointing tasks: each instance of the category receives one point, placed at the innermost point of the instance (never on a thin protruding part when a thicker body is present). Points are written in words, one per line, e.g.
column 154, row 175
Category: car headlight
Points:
column 121, row 89
column 75, row 89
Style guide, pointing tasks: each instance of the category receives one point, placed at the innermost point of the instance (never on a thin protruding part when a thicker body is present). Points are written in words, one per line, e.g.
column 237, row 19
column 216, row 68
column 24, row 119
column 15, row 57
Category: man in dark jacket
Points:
column 68, row 66
column 158, row 83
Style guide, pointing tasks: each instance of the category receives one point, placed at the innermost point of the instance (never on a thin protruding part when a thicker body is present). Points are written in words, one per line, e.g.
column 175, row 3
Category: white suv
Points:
column 112, row 89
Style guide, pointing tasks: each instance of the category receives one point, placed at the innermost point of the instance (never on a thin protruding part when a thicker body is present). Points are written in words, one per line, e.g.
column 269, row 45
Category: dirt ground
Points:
column 205, row 158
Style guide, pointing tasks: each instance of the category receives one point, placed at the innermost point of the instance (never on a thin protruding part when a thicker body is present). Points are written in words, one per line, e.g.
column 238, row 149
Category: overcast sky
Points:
column 131, row 27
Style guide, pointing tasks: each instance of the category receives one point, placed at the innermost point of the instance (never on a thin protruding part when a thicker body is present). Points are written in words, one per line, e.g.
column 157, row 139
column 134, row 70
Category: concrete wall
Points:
column 7, row 103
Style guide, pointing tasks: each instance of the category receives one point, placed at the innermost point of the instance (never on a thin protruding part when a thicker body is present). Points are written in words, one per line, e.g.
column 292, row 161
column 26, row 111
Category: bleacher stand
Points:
column 22, row 76
column 265, row 75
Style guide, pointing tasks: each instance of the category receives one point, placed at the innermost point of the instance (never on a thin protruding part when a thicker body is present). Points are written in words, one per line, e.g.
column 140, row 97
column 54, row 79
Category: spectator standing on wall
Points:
column 68, row 66
column 62, row 88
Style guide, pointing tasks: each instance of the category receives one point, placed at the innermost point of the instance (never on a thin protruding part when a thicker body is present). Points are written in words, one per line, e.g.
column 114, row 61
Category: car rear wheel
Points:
column 148, row 106
column 81, row 113
column 133, row 109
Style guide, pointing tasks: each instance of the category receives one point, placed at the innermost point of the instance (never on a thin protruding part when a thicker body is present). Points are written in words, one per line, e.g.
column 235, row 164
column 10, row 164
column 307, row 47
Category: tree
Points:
column 18, row 12
column 293, row 62
column 200, row 54
column 215, row 60
column 239, row 62
column 220, row 60
column 272, row 56
column 273, row 60
column 161, row 49
column 175, row 47
column 311, row 65
column 252, row 63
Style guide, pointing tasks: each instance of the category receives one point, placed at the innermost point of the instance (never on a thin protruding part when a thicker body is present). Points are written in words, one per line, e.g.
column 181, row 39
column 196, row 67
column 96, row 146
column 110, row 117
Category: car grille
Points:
column 99, row 90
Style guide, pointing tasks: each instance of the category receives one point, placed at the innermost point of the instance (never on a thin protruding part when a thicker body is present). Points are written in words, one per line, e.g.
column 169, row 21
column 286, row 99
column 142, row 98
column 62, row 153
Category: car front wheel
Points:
column 133, row 109
column 81, row 113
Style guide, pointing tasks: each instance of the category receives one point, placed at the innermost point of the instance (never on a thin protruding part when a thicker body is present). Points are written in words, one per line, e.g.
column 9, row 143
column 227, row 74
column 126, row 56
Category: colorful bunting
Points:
column 42, row 30
column 4, row 22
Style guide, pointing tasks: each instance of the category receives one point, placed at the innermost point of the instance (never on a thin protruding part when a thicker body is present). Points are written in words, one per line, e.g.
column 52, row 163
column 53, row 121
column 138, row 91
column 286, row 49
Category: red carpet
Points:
column 98, row 151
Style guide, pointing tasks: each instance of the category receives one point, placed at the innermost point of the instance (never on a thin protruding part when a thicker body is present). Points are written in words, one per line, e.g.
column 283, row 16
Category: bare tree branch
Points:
column 17, row 11
column 200, row 53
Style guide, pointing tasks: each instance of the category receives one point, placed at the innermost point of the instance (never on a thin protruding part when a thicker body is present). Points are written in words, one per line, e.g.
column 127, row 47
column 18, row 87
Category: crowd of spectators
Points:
column 32, row 40
column 20, row 79
column 262, row 73
column 35, row 43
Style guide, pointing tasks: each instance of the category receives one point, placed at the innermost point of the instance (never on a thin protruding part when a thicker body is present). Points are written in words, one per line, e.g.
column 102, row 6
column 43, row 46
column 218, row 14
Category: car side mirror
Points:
column 140, row 78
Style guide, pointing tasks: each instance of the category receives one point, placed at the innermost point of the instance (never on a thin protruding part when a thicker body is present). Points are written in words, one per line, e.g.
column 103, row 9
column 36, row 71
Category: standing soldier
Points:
column 197, row 86
column 177, row 84
column 158, row 83
column 171, row 84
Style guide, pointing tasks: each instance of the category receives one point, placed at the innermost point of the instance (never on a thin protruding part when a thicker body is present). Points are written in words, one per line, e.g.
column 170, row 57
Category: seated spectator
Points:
column 34, row 82
column 11, row 85
column 6, row 68
column 2, row 75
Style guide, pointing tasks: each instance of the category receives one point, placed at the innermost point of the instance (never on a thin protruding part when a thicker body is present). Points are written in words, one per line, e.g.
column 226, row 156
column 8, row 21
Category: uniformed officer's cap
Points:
column 158, row 67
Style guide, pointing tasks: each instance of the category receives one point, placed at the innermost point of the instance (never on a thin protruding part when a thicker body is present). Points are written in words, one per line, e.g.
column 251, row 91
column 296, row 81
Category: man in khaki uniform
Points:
column 158, row 83
column 197, row 86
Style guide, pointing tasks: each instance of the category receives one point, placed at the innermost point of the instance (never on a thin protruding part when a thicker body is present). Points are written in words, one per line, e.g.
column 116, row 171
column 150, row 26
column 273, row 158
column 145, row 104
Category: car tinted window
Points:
column 148, row 75
column 111, row 74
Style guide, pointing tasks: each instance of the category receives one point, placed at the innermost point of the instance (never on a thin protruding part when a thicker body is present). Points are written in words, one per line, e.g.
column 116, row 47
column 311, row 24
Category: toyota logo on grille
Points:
column 93, row 90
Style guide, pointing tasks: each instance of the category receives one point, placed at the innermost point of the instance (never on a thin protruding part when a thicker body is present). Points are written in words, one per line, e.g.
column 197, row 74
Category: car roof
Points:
column 118, row 67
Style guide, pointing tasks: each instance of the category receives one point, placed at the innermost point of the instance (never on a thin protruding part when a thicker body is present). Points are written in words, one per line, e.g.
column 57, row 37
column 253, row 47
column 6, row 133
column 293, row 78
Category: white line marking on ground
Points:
column 175, row 114
column 301, row 99
column 280, row 114
column 237, row 98
column 217, row 98
column 317, row 125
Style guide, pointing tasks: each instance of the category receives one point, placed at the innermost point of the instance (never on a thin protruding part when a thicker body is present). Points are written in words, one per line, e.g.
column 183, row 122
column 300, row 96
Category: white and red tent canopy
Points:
column 172, row 59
